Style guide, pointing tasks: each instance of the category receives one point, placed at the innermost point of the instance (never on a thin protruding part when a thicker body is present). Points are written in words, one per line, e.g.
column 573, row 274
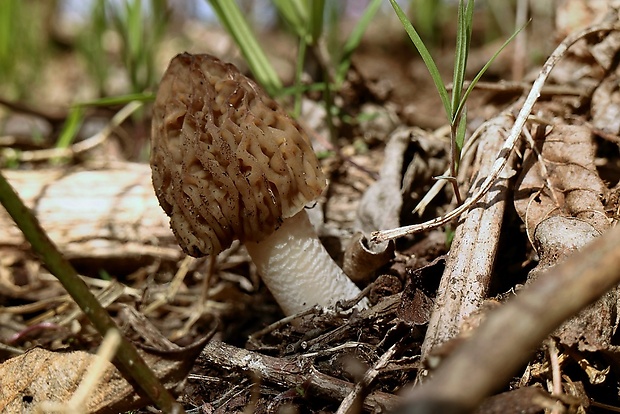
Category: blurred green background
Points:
column 57, row 55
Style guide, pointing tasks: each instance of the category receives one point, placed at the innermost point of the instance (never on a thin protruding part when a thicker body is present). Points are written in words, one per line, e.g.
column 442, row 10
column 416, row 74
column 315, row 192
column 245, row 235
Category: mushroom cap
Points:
column 228, row 163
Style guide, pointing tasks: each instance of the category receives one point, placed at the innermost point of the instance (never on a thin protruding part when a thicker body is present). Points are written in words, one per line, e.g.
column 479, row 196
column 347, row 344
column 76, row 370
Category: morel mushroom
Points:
column 228, row 163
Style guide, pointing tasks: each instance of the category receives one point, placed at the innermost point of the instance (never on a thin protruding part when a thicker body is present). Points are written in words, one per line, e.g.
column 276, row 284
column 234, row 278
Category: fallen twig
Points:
column 289, row 372
column 352, row 402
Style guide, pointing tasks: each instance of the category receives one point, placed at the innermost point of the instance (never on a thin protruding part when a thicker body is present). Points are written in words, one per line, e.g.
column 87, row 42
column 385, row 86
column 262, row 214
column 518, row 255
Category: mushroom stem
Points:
column 297, row 269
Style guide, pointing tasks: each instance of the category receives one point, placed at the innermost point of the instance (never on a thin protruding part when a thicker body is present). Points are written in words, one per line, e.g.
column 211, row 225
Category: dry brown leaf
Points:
column 559, row 197
column 40, row 375
column 605, row 107
column 573, row 15
column 417, row 300
column 561, row 181
column 592, row 329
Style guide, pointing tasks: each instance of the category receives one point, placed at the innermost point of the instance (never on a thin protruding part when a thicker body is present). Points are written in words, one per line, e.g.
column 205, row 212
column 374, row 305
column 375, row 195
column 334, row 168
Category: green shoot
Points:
column 119, row 99
column 231, row 17
column 458, row 142
column 463, row 38
column 428, row 18
column 454, row 105
column 295, row 14
column 141, row 30
column 90, row 44
column 306, row 20
column 71, row 127
column 317, row 8
column 426, row 57
column 8, row 21
column 296, row 89
column 299, row 70
column 354, row 40
column 23, row 46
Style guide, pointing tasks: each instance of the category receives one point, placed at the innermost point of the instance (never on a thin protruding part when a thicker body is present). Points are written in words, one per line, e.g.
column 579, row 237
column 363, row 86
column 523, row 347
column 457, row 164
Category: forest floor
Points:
column 430, row 290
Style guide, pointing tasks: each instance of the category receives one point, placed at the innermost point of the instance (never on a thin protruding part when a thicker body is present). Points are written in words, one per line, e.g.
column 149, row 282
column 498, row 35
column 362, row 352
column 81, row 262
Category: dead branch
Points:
column 289, row 373
column 505, row 341
column 469, row 267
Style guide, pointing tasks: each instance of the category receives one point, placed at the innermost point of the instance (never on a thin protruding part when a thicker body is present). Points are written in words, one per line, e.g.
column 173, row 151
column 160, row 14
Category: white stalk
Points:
column 297, row 269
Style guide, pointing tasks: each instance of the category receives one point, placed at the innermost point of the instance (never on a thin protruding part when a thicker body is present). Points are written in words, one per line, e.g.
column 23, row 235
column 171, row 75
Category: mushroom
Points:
column 229, row 163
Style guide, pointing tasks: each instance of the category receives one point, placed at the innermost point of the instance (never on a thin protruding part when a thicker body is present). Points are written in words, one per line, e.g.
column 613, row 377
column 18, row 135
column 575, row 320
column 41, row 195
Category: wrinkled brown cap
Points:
column 228, row 163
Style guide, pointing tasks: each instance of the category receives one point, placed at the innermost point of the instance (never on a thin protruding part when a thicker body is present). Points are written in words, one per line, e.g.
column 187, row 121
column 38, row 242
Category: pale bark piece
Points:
column 103, row 213
column 469, row 266
column 362, row 260
column 380, row 205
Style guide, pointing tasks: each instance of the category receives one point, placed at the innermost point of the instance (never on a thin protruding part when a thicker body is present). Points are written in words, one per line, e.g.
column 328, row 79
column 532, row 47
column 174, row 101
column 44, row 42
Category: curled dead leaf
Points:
column 40, row 376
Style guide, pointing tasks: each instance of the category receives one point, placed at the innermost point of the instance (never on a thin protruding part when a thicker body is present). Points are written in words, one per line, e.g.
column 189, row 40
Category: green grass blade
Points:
column 469, row 20
column 354, row 40
column 295, row 14
column 131, row 23
column 134, row 27
column 299, row 69
column 71, row 127
column 428, row 19
column 231, row 17
column 459, row 140
column 119, row 99
column 459, row 64
column 90, row 45
column 463, row 36
column 484, row 69
column 426, row 57
column 69, row 130
column 294, row 89
column 317, row 10
column 8, row 13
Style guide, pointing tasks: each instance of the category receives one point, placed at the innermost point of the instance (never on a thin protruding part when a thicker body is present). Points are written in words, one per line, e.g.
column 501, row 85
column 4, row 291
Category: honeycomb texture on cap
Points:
column 227, row 162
